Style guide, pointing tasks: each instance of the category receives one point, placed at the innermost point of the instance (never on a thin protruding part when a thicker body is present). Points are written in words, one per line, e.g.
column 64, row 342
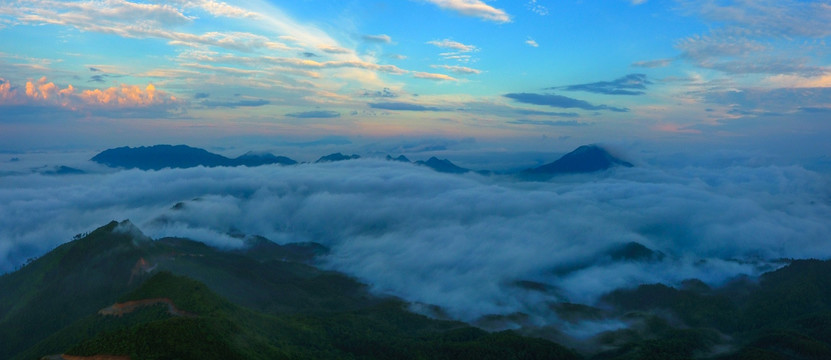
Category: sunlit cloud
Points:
column 475, row 8
column 433, row 76
column 218, row 8
column 796, row 81
column 44, row 92
column 463, row 70
column 450, row 44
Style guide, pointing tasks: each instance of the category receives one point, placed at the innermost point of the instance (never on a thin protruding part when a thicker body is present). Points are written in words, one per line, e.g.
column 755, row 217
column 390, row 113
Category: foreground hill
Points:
column 116, row 292
column 180, row 156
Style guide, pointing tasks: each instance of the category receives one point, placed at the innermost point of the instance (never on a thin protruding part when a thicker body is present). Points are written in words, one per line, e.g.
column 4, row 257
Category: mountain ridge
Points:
column 158, row 157
column 584, row 159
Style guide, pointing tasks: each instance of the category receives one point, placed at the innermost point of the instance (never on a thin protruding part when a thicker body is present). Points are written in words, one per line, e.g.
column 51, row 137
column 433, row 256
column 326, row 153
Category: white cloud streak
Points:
column 433, row 76
column 474, row 8
column 459, row 69
column 450, row 44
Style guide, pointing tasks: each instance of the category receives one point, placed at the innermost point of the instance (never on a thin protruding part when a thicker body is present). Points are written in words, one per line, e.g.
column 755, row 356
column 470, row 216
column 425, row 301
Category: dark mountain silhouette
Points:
column 63, row 170
column 633, row 251
column 401, row 158
column 337, row 157
column 179, row 156
column 257, row 159
column 584, row 159
column 442, row 165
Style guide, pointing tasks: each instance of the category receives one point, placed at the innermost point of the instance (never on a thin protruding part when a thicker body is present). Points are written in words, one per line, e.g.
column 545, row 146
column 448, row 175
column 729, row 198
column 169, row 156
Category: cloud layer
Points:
column 460, row 242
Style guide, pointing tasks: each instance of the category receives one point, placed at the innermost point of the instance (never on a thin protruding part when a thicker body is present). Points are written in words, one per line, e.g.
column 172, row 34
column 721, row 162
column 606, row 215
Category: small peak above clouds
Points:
column 584, row 159
column 337, row 157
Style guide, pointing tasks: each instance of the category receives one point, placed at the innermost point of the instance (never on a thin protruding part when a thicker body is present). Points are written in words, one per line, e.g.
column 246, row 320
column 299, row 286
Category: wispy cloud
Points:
column 658, row 63
column 532, row 43
column 384, row 93
column 303, row 63
column 236, row 104
column 548, row 122
column 758, row 37
column 463, row 70
column 380, row 38
column 492, row 108
column 461, row 51
column 433, row 76
column 221, row 9
column 632, row 84
column 534, row 6
column 450, row 44
column 331, row 49
column 402, row 106
column 475, row 8
column 137, row 20
column 316, row 114
column 560, row 101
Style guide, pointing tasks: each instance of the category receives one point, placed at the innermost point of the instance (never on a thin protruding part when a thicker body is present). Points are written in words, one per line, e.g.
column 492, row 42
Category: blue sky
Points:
column 121, row 72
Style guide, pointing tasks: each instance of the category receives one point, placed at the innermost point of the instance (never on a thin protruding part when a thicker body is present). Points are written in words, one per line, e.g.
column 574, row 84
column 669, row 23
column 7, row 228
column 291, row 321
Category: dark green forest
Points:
column 269, row 301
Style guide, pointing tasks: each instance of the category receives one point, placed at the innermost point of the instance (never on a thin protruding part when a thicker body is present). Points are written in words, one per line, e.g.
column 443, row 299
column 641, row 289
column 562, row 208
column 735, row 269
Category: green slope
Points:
column 218, row 329
column 268, row 301
column 72, row 281
column 785, row 315
column 275, row 307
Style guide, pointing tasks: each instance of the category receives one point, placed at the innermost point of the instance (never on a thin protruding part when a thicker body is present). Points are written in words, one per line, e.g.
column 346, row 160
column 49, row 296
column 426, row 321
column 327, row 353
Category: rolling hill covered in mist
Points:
column 117, row 292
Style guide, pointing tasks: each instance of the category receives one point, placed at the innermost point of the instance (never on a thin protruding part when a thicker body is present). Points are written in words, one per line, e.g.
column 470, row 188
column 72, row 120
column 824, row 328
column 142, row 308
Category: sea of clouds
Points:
column 461, row 242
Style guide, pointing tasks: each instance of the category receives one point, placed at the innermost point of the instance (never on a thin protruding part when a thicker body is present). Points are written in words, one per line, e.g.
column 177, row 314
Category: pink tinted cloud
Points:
column 675, row 128
column 44, row 92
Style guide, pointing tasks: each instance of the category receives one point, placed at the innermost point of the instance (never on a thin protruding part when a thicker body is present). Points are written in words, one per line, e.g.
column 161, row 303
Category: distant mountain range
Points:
column 180, row 156
column 337, row 157
column 585, row 159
